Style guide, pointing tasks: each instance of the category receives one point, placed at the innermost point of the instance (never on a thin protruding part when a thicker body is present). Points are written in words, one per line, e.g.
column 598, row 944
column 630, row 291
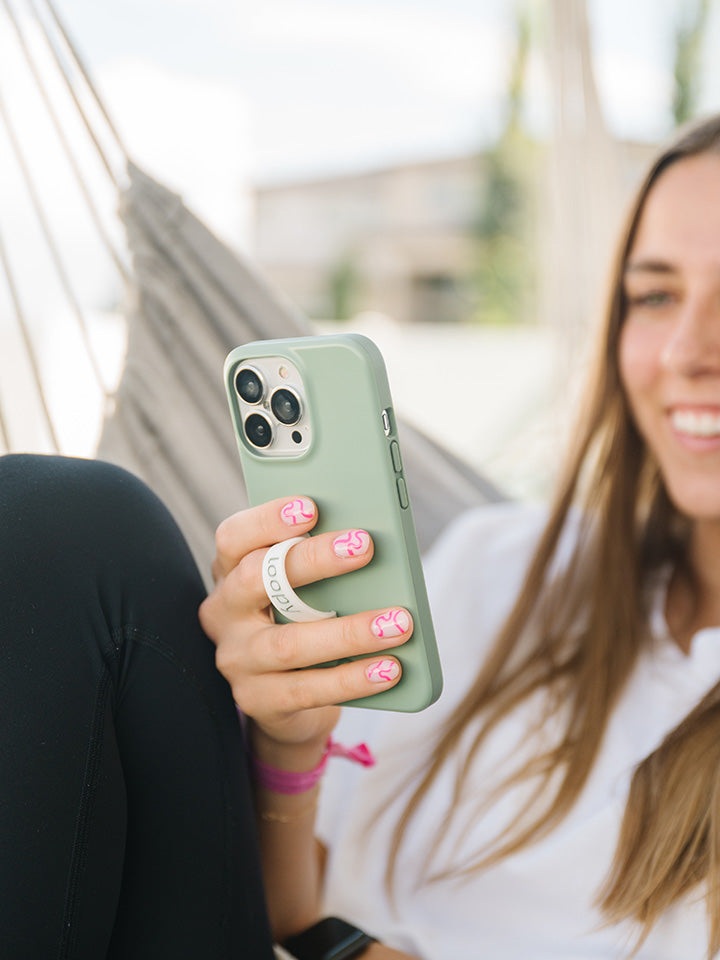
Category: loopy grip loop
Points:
column 279, row 592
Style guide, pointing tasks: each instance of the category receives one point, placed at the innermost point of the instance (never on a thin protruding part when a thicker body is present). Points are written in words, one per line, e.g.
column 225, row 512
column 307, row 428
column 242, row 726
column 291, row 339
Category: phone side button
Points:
column 402, row 493
column 395, row 454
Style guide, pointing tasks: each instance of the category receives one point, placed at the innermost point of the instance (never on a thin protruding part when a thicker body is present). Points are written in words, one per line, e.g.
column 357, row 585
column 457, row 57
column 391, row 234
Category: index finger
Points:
column 261, row 526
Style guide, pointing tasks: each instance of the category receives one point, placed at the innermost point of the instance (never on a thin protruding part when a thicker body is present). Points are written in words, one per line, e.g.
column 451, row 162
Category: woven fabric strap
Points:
column 291, row 781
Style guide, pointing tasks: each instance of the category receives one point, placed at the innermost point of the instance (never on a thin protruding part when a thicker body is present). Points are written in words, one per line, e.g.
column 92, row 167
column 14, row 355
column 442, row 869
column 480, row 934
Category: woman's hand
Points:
column 293, row 710
column 261, row 659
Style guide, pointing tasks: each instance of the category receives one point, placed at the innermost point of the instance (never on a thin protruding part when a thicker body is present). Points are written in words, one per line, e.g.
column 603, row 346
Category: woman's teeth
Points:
column 696, row 424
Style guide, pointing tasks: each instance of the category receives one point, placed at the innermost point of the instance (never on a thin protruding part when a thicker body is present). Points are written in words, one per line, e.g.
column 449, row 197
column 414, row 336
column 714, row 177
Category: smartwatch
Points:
column 329, row 939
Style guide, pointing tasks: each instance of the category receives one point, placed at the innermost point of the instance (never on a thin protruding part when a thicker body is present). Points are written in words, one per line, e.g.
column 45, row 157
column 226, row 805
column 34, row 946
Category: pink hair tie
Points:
column 290, row 781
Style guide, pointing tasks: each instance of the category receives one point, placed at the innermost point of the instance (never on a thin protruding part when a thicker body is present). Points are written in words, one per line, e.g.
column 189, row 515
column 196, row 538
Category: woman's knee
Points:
column 62, row 517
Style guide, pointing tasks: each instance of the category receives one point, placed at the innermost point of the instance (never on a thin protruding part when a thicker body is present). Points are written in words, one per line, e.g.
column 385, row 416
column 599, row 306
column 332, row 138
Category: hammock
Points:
column 195, row 300
column 192, row 300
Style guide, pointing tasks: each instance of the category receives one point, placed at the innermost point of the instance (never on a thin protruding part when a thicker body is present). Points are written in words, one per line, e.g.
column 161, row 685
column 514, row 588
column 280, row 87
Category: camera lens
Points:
column 258, row 430
column 249, row 385
column 286, row 406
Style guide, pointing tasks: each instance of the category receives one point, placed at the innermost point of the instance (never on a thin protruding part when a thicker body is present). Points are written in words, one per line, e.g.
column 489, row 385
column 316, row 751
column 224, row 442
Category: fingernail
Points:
column 390, row 624
column 299, row 510
column 382, row 670
column 351, row 544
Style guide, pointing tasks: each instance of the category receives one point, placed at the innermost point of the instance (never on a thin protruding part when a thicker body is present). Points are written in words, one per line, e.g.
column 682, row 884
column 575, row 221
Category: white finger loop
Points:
column 277, row 587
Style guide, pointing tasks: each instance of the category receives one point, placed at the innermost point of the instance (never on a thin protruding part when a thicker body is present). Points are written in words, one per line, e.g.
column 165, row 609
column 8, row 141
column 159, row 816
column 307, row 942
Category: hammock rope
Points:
column 67, row 149
column 71, row 87
column 64, row 58
column 51, row 243
column 30, row 352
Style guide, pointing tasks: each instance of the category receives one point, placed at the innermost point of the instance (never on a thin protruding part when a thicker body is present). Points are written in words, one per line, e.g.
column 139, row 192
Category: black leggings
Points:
column 126, row 825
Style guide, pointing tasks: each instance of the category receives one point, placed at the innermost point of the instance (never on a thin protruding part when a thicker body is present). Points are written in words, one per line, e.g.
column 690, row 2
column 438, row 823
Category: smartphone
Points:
column 314, row 416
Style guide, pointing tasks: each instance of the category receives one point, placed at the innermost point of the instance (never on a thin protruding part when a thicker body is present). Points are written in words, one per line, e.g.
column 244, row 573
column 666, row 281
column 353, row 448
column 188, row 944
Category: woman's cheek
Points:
column 640, row 348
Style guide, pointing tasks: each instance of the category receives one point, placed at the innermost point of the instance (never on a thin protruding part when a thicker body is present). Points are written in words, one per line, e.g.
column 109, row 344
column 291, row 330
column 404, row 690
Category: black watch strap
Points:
column 329, row 939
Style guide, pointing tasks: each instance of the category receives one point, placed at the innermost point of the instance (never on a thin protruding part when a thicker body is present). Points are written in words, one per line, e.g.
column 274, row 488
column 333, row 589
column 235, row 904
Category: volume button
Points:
column 396, row 458
column 402, row 493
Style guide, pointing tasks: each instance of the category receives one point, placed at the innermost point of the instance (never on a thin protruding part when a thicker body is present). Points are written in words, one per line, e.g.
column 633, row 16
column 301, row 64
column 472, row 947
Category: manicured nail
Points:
column 393, row 623
column 299, row 510
column 382, row 670
column 351, row 544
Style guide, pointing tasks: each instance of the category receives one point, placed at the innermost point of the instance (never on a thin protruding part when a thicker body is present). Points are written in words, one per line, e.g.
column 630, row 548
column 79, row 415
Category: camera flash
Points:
column 283, row 372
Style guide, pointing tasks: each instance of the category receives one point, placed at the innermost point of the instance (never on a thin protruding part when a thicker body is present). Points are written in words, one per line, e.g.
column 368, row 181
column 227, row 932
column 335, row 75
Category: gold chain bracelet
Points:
column 269, row 817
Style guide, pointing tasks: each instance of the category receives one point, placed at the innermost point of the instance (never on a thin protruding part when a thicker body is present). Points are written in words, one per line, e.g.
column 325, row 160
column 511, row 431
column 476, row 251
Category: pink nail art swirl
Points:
column 297, row 511
column 383, row 670
column 390, row 624
column 352, row 543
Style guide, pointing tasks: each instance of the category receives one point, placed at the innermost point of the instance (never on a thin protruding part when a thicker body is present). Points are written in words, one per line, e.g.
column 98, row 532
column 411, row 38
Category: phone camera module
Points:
column 286, row 406
column 249, row 385
column 258, row 430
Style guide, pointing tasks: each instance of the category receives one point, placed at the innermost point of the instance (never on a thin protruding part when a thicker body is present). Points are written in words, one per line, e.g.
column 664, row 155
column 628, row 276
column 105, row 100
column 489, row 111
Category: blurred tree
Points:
column 688, row 48
column 343, row 284
column 504, row 276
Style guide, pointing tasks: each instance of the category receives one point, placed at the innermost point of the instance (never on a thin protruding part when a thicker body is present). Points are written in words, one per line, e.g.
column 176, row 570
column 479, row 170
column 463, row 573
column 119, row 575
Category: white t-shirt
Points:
column 539, row 903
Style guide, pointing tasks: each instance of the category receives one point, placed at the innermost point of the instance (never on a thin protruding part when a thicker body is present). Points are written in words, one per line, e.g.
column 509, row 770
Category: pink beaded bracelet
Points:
column 290, row 781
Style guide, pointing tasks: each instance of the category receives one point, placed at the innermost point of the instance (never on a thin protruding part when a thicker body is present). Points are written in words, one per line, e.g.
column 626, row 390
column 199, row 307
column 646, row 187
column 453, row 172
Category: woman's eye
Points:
column 652, row 298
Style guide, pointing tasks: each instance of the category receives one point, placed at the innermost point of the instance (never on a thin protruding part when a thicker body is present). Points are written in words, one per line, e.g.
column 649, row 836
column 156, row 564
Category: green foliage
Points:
column 688, row 47
column 343, row 287
column 504, row 275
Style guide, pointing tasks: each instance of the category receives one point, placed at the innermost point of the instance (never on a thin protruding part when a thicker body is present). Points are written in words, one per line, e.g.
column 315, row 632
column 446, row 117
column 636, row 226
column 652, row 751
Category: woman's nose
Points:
column 693, row 344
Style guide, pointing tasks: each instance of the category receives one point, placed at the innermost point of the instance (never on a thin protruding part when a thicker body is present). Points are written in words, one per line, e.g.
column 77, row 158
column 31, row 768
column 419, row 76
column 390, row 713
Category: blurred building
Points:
column 400, row 240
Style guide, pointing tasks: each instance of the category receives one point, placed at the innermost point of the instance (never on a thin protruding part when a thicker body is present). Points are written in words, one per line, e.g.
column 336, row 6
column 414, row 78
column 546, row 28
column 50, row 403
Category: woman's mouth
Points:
column 696, row 423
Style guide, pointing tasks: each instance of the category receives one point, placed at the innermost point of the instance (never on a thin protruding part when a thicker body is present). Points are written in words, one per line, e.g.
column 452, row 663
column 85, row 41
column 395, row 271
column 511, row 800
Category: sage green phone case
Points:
column 347, row 458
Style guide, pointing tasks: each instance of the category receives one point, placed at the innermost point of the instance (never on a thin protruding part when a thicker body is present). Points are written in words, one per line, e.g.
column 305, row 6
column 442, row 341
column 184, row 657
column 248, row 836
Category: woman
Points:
column 563, row 797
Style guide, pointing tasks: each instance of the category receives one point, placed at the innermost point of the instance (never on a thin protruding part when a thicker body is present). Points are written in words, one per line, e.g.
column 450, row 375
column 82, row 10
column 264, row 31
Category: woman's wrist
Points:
column 268, row 815
column 286, row 781
column 297, row 757
column 275, row 807
column 281, row 780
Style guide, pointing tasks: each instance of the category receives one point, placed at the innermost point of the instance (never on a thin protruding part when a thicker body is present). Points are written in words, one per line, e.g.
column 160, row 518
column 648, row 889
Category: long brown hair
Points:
column 670, row 836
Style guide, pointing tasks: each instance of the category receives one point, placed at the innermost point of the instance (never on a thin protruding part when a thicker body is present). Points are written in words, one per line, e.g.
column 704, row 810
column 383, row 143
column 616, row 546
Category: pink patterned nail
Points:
column 351, row 544
column 390, row 624
column 297, row 511
column 382, row 670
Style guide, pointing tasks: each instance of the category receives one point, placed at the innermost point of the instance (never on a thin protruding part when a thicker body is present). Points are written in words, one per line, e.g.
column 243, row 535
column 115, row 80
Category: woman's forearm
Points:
column 291, row 707
column 292, row 861
column 292, row 858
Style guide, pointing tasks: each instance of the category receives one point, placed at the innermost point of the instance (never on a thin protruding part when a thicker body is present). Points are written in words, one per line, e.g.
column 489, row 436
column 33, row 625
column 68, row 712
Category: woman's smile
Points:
column 695, row 422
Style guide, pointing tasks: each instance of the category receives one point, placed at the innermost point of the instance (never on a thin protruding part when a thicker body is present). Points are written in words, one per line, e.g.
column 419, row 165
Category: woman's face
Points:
column 669, row 351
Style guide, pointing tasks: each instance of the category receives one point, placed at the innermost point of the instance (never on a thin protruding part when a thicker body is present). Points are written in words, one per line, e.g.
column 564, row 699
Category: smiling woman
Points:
column 562, row 796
